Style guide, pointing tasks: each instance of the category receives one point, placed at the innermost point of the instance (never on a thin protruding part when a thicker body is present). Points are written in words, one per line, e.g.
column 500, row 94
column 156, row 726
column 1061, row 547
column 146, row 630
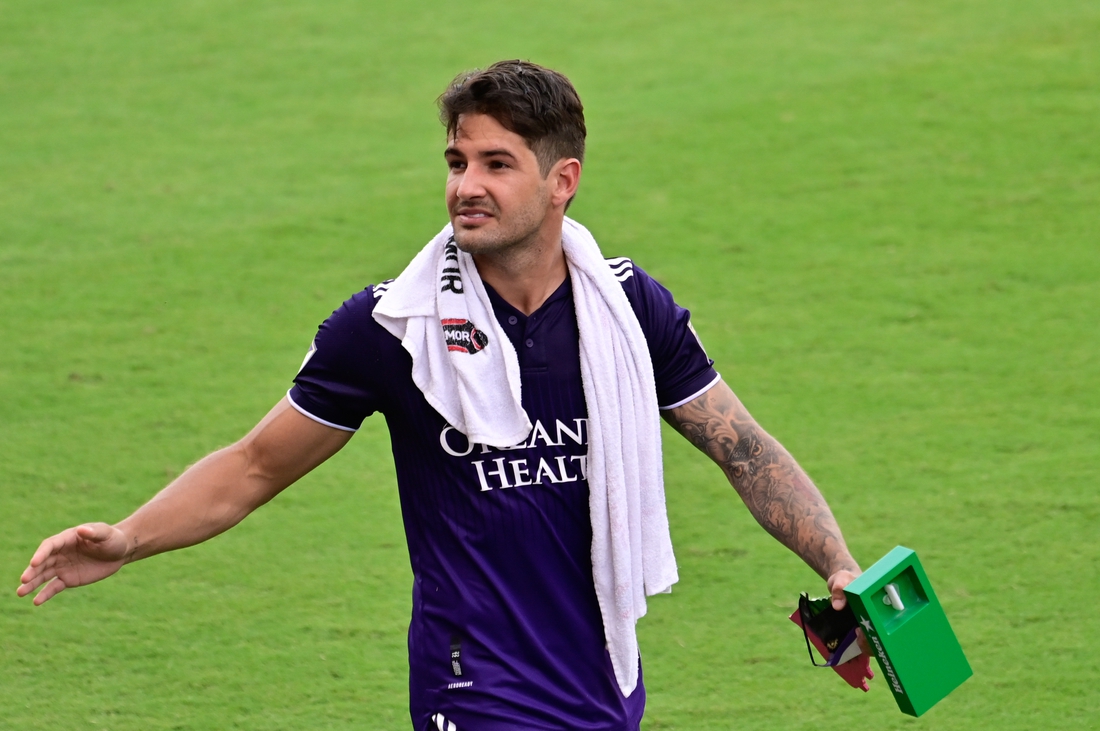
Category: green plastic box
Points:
column 920, row 657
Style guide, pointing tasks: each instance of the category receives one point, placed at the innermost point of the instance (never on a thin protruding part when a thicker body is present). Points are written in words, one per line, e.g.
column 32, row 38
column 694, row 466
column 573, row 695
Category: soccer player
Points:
column 508, row 626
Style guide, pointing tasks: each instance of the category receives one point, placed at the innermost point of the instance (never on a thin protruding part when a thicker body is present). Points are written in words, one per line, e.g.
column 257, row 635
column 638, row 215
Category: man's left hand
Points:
column 836, row 584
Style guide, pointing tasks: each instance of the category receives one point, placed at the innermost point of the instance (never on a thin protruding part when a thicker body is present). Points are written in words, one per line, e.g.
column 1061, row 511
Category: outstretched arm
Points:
column 210, row 497
column 776, row 490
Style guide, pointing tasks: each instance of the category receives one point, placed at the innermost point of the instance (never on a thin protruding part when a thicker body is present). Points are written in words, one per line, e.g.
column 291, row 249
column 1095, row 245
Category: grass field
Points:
column 885, row 218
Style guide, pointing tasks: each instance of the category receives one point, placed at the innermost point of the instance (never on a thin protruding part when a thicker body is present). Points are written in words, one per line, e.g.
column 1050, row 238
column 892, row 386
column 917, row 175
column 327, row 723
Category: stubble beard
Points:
column 507, row 238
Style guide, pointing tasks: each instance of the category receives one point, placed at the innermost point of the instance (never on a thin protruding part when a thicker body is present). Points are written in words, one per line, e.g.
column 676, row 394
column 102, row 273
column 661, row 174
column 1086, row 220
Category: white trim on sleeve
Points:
column 693, row 396
column 318, row 419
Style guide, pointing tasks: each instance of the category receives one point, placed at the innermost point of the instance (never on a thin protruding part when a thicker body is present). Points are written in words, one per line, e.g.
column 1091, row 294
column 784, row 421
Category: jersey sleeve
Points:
column 681, row 368
column 340, row 381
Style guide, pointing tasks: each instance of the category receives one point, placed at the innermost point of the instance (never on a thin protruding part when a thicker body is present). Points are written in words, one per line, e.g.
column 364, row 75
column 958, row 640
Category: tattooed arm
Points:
column 776, row 490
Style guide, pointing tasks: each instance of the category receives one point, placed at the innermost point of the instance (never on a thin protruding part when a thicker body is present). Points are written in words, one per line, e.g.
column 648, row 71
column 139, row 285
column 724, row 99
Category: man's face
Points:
column 496, row 197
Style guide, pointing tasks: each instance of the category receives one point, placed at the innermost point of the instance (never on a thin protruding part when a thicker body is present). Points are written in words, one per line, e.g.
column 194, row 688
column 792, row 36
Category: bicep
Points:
column 681, row 368
column 286, row 445
column 718, row 424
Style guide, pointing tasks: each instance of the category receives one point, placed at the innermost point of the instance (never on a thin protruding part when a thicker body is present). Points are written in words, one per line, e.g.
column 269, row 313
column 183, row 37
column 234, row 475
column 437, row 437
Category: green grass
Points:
column 884, row 217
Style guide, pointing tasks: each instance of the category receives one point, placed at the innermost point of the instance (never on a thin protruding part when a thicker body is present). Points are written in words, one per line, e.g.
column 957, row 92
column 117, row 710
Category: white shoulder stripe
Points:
column 622, row 268
column 318, row 419
column 693, row 396
column 381, row 288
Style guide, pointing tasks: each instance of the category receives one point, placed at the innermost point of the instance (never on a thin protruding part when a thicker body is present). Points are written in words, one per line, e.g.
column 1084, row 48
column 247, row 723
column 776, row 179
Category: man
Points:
column 515, row 619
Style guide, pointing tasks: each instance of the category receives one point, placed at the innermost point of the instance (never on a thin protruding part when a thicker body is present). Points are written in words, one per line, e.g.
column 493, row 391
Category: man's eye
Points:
column 456, row 164
column 497, row 165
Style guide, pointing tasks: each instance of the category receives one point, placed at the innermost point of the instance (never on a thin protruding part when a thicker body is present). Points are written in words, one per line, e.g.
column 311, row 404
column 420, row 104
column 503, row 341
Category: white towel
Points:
column 439, row 309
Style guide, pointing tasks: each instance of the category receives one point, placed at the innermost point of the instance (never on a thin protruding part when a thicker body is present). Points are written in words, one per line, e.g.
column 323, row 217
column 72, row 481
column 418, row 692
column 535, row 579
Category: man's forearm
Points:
column 219, row 491
column 776, row 490
column 209, row 498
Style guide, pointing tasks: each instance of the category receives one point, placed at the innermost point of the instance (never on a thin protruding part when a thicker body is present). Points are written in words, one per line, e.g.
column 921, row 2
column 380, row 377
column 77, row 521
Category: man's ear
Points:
column 563, row 179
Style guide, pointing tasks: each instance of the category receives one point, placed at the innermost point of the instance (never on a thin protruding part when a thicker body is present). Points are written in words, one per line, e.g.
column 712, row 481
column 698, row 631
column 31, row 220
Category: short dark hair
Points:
column 537, row 103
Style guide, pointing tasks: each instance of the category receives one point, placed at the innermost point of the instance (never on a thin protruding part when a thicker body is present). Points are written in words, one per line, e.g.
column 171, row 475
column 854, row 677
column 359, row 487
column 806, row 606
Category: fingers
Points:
column 43, row 566
column 837, row 593
column 861, row 640
column 47, row 576
column 53, row 545
column 94, row 533
column 836, row 584
column 49, row 591
column 40, row 570
column 29, row 573
column 30, row 583
column 90, row 532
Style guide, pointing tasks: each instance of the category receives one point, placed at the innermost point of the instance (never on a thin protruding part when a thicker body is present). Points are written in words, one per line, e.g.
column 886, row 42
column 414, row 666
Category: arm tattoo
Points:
column 776, row 490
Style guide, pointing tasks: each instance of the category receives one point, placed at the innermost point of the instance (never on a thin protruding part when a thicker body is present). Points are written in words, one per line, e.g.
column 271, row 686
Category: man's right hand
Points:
column 75, row 557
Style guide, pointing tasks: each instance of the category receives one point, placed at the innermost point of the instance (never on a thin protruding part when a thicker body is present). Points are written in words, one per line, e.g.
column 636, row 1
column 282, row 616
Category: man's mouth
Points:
column 472, row 215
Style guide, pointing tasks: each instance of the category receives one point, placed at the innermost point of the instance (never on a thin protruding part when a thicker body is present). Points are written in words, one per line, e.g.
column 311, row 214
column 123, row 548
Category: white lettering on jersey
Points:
column 578, row 437
column 500, row 473
column 545, row 471
column 459, row 438
column 540, row 431
column 520, row 473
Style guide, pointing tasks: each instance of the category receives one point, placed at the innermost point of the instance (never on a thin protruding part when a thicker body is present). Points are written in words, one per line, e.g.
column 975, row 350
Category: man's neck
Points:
column 524, row 276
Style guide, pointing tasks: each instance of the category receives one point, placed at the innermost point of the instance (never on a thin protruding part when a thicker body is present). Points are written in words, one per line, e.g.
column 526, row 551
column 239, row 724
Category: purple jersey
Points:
column 505, row 632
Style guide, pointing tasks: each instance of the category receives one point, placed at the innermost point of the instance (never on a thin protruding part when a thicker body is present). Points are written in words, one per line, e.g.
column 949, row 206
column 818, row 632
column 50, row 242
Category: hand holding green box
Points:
column 908, row 631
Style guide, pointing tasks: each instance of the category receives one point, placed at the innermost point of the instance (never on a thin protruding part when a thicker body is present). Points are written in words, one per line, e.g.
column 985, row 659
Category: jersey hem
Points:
column 693, row 396
column 318, row 419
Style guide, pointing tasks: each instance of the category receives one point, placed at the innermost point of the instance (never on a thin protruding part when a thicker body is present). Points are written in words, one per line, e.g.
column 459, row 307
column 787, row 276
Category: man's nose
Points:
column 470, row 183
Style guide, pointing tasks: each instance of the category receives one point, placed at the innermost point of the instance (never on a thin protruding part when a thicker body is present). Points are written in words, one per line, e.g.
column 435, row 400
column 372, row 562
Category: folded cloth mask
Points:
column 833, row 633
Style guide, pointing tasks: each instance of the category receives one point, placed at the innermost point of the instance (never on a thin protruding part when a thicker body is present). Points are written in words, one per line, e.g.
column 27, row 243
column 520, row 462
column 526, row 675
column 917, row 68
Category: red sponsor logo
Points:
column 462, row 336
